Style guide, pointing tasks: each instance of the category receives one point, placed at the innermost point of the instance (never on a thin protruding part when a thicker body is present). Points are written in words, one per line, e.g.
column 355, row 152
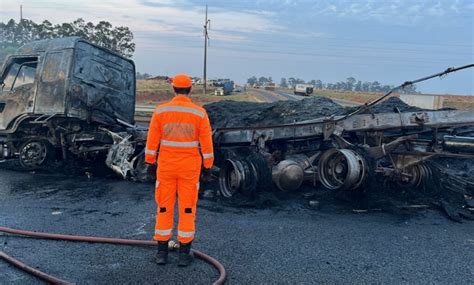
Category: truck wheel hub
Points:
column 33, row 154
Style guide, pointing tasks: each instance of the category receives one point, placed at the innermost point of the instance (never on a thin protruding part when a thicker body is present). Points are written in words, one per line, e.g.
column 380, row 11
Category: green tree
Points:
column 291, row 82
column 262, row 80
column 358, row 86
column 299, row 81
column 366, row 86
column 375, row 86
column 385, row 88
column 45, row 30
column 350, row 83
column 118, row 39
column 141, row 76
column 252, row 80
column 319, row 84
column 410, row 89
column 283, row 83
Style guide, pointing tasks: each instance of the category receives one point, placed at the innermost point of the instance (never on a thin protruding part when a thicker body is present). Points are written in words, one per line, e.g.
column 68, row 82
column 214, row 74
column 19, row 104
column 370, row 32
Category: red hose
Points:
column 46, row 277
column 198, row 254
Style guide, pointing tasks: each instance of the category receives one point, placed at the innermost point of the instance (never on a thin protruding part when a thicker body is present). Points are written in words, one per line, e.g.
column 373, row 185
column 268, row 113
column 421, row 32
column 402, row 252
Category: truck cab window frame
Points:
column 23, row 67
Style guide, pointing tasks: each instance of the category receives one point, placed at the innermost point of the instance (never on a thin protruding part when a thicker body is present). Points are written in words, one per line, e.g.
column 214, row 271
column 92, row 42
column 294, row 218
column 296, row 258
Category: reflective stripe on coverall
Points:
column 178, row 128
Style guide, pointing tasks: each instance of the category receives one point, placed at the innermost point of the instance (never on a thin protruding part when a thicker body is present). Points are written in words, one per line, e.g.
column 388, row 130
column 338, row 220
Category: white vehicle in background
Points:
column 303, row 89
column 219, row 91
column 196, row 80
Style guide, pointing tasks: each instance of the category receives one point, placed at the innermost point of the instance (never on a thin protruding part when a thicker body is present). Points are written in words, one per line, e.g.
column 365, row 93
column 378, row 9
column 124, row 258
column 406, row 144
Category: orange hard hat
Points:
column 182, row 81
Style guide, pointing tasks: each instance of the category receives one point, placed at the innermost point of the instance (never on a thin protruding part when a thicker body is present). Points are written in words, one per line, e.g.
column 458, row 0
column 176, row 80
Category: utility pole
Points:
column 21, row 12
column 207, row 25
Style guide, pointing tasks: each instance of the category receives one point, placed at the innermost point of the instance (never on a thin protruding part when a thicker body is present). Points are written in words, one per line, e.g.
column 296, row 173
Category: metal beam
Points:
column 356, row 123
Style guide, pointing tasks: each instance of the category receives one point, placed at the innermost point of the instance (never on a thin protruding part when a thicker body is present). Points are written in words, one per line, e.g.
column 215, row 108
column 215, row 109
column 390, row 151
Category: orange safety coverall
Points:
column 179, row 129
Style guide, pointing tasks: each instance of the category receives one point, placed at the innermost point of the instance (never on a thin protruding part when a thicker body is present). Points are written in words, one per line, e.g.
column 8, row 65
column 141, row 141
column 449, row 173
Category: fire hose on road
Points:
column 55, row 280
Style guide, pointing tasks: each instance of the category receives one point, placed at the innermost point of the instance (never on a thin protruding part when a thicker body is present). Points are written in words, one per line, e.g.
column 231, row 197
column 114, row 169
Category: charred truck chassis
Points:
column 63, row 99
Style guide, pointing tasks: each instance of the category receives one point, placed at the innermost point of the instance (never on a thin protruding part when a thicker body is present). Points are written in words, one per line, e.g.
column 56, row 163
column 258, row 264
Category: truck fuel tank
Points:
column 458, row 144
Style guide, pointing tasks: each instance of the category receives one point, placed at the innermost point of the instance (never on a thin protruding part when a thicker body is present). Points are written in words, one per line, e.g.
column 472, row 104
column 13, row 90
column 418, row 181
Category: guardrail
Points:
column 143, row 113
column 144, row 108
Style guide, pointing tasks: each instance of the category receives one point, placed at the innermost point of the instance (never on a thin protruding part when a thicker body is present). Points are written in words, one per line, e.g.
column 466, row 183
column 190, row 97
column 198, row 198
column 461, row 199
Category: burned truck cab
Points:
column 62, row 96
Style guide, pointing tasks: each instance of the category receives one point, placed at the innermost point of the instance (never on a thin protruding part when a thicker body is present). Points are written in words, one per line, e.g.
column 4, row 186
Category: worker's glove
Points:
column 151, row 169
column 206, row 175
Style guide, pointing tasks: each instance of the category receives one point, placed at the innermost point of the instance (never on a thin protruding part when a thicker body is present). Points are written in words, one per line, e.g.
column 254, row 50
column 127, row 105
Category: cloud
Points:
column 158, row 3
column 168, row 17
column 396, row 12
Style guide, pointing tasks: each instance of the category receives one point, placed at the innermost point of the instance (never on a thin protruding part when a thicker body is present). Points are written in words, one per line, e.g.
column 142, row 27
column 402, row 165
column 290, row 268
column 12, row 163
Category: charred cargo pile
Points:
column 226, row 114
column 429, row 180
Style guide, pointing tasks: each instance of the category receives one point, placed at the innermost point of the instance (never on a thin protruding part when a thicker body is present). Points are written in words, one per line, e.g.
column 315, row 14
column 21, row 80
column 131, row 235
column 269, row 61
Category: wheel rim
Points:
column 238, row 176
column 33, row 154
column 342, row 169
column 231, row 176
column 414, row 176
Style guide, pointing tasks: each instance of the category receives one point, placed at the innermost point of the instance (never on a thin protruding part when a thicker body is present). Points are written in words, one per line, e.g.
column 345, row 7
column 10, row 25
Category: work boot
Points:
column 185, row 256
column 162, row 255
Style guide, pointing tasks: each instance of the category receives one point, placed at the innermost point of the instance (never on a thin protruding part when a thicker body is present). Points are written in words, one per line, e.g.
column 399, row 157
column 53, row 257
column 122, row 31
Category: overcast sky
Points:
column 388, row 41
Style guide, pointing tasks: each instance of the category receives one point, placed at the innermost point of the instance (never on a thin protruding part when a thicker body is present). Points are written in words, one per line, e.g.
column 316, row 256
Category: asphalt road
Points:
column 286, row 244
column 266, row 96
column 272, row 96
column 278, row 95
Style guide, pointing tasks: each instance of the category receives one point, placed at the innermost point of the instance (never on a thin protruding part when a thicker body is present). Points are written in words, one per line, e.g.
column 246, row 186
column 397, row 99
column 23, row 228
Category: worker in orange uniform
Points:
column 180, row 135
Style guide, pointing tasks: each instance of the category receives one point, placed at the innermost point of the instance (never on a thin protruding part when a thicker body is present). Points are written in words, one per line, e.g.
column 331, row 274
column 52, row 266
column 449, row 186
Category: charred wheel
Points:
column 141, row 171
column 341, row 169
column 414, row 176
column 237, row 176
column 35, row 154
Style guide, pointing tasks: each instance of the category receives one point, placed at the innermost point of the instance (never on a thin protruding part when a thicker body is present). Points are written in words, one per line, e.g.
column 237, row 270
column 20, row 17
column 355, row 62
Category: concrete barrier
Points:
column 425, row 101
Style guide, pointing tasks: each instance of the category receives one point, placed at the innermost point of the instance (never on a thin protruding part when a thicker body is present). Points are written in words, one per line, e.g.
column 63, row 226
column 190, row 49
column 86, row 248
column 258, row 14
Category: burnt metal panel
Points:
column 51, row 94
column 103, row 84
column 19, row 100
column 42, row 46
column 15, row 103
column 362, row 122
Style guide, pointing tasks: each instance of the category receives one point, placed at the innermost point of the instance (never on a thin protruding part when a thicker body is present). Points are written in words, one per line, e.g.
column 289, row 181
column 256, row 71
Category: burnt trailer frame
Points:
column 341, row 152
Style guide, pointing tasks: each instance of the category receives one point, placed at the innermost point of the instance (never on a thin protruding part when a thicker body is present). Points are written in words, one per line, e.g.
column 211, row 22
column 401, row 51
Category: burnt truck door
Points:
column 51, row 92
column 17, row 88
